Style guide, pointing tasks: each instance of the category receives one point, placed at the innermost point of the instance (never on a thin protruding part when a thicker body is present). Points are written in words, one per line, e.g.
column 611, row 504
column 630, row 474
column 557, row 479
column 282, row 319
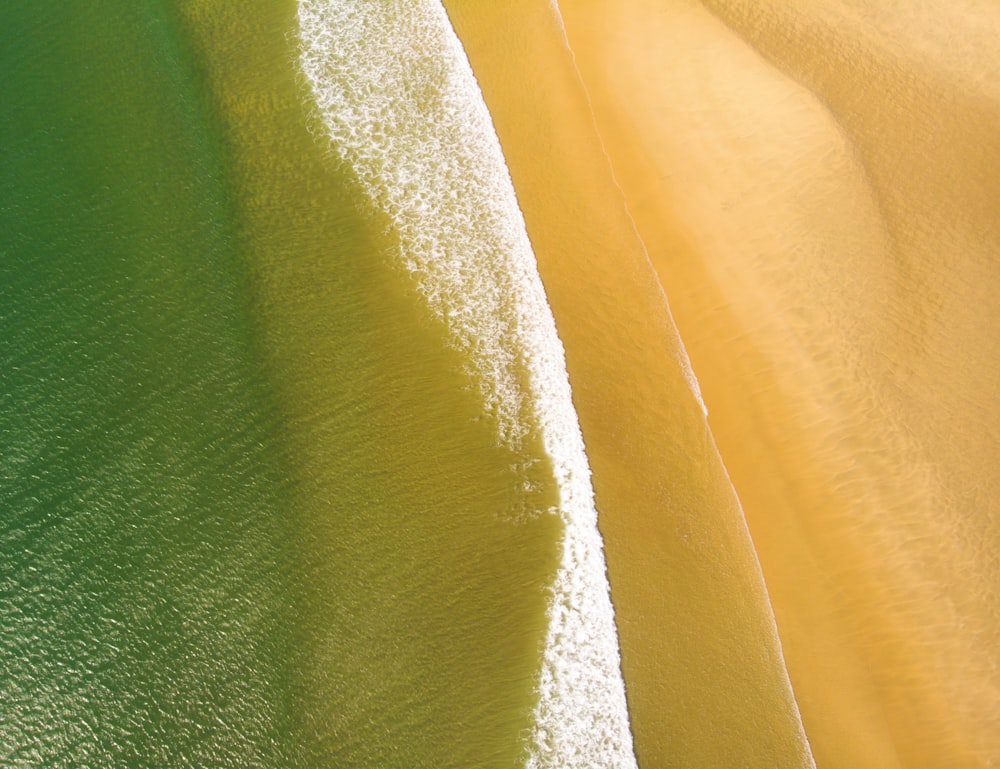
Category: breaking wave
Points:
column 404, row 113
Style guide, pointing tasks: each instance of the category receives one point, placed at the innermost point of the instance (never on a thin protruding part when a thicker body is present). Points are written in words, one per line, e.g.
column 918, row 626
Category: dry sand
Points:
column 818, row 185
column 705, row 680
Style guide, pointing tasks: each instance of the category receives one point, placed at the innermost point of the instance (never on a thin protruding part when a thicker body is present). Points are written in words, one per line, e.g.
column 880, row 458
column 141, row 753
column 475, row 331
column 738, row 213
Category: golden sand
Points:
column 817, row 187
column 705, row 680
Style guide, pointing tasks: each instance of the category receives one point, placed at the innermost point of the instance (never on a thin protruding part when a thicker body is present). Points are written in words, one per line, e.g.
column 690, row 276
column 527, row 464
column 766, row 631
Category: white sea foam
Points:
column 403, row 110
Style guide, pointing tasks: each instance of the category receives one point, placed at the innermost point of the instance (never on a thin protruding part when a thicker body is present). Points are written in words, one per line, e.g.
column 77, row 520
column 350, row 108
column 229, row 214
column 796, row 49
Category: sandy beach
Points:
column 705, row 680
column 817, row 192
column 294, row 469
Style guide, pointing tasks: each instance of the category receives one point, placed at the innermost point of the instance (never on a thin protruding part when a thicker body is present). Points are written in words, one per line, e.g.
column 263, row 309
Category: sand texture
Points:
column 705, row 680
column 817, row 188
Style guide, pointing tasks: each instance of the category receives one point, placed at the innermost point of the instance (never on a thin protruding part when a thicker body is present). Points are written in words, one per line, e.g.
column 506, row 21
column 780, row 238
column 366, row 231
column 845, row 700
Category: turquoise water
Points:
column 252, row 512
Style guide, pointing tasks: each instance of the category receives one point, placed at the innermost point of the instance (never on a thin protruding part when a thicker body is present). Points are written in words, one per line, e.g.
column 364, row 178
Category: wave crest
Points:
column 403, row 111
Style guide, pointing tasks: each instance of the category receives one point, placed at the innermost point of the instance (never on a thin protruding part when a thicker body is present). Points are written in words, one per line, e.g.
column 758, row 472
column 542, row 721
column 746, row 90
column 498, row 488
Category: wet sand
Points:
column 705, row 680
column 818, row 193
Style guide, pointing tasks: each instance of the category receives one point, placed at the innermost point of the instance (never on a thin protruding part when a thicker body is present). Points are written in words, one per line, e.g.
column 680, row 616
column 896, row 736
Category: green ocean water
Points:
column 250, row 512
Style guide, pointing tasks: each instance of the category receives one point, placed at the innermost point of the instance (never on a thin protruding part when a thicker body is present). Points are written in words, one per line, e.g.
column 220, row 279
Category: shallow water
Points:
column 254, row 511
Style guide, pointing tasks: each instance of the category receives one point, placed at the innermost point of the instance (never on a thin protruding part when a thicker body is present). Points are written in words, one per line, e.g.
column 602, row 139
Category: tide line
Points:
column 403, row 110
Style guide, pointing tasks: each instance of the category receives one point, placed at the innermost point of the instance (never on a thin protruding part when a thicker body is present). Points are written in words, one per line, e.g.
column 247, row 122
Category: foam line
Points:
column 404, row 112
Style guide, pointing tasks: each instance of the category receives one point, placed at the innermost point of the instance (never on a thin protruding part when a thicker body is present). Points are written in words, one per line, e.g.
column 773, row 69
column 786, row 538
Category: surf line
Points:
column 403, row 110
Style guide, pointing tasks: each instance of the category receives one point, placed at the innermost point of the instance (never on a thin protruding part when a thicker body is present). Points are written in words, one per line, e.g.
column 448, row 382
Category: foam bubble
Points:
column 404, row 112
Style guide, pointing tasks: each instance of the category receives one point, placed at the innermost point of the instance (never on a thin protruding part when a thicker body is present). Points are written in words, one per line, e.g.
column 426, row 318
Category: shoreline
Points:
column 806, row 187
column 697, row 637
